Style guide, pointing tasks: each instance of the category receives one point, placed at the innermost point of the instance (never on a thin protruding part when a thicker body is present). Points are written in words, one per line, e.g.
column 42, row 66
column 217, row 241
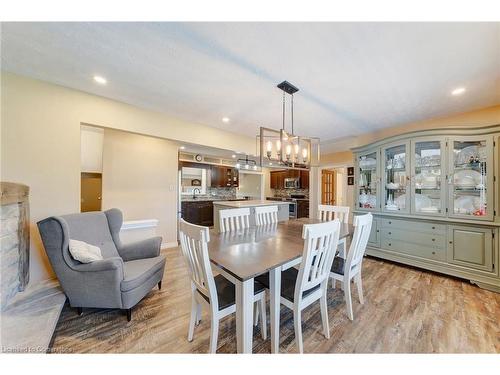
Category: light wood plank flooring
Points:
column 406, row 310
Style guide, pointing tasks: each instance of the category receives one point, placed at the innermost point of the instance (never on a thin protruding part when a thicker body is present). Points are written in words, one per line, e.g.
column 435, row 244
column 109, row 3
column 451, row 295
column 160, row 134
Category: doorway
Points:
column 91, row 191
column 328, row 184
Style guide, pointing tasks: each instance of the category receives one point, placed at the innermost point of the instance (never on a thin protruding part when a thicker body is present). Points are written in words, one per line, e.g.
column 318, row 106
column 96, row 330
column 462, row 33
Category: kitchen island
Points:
column 283, row 211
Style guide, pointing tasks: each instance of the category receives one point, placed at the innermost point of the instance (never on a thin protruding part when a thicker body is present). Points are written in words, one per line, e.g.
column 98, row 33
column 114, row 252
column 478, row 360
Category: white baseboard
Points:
column 169, row 245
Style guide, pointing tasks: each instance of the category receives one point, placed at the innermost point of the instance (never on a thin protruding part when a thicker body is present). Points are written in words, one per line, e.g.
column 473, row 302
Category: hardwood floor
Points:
column 406, row 310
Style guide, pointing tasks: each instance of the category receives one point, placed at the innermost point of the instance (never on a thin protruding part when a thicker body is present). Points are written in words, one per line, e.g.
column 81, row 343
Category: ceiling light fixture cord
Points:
column 283, row 110
column 292, row 114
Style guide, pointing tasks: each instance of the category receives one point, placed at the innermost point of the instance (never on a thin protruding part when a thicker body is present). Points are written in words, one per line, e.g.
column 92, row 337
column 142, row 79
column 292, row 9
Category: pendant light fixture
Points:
column 282, row 149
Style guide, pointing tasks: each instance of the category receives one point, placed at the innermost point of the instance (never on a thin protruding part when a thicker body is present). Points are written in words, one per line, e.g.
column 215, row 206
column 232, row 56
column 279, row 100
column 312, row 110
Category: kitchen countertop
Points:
column 277, row 199
column 249, row 203
column 210, row 199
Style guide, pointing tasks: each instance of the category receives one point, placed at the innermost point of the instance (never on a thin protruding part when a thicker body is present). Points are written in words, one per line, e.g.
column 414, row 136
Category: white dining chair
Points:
column 328, row 212
column 217, row 293
column 234, row 219
column 344, row 270
column 300, row 288
column 266, row 215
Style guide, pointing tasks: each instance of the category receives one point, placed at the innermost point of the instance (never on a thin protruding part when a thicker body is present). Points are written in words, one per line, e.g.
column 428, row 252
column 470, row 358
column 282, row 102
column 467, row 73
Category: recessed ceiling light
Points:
column 225, row 119
column 458, row 91
column 233, row 156
column 182, row 147
column 100, row 80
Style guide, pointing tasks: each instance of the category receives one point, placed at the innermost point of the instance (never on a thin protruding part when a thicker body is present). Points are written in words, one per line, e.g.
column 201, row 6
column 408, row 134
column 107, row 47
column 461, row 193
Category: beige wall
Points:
column 140, row 177
column 40, row 144
column 482, row 117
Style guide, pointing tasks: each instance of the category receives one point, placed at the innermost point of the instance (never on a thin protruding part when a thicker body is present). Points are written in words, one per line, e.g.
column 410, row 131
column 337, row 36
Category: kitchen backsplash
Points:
column 286, row 193
column 220, row 193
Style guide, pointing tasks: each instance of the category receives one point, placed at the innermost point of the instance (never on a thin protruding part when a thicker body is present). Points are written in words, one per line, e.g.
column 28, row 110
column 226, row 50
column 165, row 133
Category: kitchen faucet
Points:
column 194, row 192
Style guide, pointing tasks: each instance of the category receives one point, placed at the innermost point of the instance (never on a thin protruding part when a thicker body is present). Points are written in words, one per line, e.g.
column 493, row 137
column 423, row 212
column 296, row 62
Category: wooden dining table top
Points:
column 247, row 253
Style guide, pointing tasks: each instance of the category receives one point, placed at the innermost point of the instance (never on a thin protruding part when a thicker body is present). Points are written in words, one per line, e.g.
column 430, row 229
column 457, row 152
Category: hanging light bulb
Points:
column 269, row 149
column 255, row 167
column 304, row 154
column 247, row 166
column 238, row 165
column 288, row 151
column 296, row 150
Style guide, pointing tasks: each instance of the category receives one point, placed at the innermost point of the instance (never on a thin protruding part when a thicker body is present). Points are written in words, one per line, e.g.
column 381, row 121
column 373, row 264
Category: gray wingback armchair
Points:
column 126, row 274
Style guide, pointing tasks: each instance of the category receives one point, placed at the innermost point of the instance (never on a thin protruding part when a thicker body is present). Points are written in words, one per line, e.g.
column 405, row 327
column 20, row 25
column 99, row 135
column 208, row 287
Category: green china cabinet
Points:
column 435, row 197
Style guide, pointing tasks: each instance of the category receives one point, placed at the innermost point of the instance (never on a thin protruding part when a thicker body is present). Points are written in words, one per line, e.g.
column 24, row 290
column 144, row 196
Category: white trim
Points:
column 169, row 245
column 139, row 224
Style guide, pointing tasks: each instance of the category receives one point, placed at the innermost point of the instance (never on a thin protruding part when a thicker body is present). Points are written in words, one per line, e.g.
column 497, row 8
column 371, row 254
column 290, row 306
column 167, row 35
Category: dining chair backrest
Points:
column 234, row 219
column 362, row 229
column 194, row 245
column 320, row 243
column 266, row 215
column 328, row 212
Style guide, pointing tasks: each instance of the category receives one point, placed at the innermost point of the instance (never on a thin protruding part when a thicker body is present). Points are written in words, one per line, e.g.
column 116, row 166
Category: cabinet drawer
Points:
column 414, row 249
column 414, row 226
column 419, row 238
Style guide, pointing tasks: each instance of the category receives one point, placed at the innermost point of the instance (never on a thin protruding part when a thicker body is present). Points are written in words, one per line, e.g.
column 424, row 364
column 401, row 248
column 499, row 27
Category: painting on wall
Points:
column 350, row 180
column 350, row 171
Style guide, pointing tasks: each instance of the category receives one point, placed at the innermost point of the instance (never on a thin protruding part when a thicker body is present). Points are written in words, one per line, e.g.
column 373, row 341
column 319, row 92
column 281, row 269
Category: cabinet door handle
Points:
column 451, row 242
column 434, row 253
column 390, row 222
column 390, row 232
column 433, row 239
column 389, row 244
column 433, row 227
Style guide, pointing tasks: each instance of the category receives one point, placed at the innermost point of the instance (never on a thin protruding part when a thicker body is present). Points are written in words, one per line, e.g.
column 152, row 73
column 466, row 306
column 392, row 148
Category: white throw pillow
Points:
column 84, row 252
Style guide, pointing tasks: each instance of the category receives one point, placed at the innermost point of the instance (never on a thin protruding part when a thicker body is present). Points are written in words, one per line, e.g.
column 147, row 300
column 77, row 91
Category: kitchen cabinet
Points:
column 199, row 213
column 470, row 193
column 396, row 177
column 304, row 179
column 435, row 198
column 277, row 178
column 471, row 247
column 224, row 176
column 428, row 182
column 368, row 183
column 302, row 208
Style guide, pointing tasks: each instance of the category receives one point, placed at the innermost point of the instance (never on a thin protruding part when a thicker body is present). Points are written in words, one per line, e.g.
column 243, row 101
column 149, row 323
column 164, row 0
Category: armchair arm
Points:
column 110, row 264
column 96, row 284
column 148, row 248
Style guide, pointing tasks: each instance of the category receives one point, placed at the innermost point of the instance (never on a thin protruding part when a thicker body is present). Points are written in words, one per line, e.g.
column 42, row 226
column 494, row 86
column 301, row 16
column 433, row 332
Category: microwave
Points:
column 292, row 183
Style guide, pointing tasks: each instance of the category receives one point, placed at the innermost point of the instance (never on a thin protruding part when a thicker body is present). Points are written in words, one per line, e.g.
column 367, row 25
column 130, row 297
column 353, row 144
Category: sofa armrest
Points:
column 148, row 248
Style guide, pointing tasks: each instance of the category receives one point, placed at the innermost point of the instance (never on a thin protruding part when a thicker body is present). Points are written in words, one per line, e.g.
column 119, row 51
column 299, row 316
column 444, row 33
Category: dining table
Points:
column 241, row 255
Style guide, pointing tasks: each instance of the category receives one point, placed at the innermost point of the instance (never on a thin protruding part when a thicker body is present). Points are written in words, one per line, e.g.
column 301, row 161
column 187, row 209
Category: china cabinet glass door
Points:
column 367, row 181
column 428, row 172
column 471, row 177
column 395, row 163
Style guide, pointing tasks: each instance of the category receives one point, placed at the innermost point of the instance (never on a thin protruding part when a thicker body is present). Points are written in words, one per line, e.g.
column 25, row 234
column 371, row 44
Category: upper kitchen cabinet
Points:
column 447, row 173
column 396, row 177
column 224, row 176
column 277, row 178
column 471, row 177
column 428, row 165
column 368, row 182
column 304, row 179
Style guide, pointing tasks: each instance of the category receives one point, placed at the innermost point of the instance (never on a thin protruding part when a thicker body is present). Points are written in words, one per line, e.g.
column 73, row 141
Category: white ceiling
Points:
column 353, row 77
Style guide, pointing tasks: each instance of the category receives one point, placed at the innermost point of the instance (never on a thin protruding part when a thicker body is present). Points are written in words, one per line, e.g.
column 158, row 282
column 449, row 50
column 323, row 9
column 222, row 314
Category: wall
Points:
column 250, row 185
column 91, row 149
column 478, row 118
column 40, row 139
column 138, row 178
